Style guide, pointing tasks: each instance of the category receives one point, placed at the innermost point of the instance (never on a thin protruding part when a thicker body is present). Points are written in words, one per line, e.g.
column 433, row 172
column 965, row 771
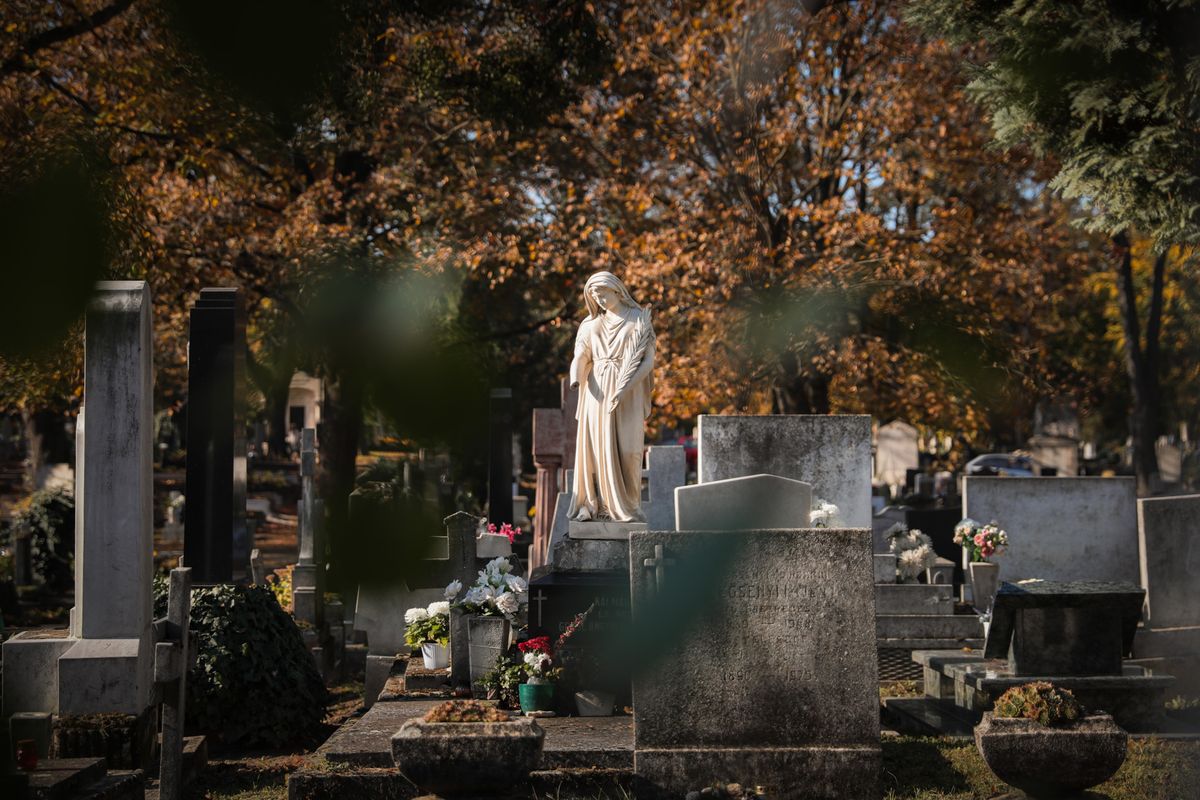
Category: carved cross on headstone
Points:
column 659, row 564
column 539, row 598
column 171, row 661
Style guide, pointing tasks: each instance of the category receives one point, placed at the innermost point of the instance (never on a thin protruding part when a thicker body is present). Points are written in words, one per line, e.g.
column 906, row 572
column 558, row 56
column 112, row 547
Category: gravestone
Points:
column 500, row 460
column 1062, row 529
column 306, row 589
column 1170, row 460
column 216, row 544
column 832, row 453
column 666, row 470
column 105, row 663
column 554, row 431
column 1048, row 628
column 720, row 505
column 772, row 682
column 896, row 452
column 1169, row 536
column 379, row 611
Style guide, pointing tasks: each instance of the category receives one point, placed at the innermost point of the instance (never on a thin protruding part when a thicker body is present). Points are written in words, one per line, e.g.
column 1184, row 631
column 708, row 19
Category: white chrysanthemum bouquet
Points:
column 497, row 591
column 913, row 549
column 431, row 624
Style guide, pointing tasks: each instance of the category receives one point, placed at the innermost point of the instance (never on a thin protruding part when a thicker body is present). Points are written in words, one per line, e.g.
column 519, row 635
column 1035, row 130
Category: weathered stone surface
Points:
column 959, row 627
column 1169, row 538
column 479, row 757
column 589, row 555
column 885, row 567
column 914, row 598
column 1046, row 761
column 746, row 503
column 1072, row 628
column 1061, row 529
column 666, row 470
column 832, row 453
column 31, row 671
column 604, row 529
column 778, row 686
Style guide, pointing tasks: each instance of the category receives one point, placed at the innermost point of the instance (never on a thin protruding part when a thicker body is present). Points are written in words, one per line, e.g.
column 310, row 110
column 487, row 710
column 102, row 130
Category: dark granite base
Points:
column 793, row 773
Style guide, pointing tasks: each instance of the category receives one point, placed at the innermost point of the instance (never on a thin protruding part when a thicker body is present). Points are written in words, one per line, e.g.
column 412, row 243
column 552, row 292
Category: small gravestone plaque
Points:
column 764, row 666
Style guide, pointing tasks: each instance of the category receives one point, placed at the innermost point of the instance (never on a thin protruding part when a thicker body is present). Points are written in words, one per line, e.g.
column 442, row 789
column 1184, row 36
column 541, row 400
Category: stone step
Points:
column 925, row 716
column 925, row 626
column 419, row 679
column 116, row 785
column 601, row 783
column 914, row 598
column 64, row 777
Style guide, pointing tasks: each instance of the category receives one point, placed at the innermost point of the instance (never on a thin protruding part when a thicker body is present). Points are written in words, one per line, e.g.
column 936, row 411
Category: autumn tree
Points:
column 1110, row 90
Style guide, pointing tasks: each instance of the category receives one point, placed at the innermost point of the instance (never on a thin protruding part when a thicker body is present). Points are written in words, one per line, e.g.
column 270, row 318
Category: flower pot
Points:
column 487, row 638
column 490, row 545
column 437, row 656
column 985, row 580
column 536, row 696
column 467, row 757
column 590, row 703
column 1048, row 762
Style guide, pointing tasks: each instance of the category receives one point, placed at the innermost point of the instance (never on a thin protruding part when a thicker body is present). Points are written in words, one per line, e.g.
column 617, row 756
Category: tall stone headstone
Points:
column 500, row 460
column 554, row 432
column 766, row 674
column 306, row 574
column 1060, row 529
column 833, row 453
column 216, row 545
column 106, row 663
column 666, row 470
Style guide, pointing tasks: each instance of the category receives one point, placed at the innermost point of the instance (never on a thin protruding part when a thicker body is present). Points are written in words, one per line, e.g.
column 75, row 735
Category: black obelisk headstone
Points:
column 500, row 465
column 216, row 544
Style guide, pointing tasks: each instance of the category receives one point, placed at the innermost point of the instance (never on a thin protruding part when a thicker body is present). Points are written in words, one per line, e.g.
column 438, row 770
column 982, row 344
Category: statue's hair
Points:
column 612, row 282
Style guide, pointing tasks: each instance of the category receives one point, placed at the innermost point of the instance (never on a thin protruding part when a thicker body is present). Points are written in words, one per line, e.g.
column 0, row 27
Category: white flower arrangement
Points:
column 431, row 624
column 913, row 549
column 824, row 514
column 415, row 615
column 497, row 591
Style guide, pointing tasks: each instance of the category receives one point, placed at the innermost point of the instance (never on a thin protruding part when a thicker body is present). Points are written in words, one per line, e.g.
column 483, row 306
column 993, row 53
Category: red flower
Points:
column 538, row 644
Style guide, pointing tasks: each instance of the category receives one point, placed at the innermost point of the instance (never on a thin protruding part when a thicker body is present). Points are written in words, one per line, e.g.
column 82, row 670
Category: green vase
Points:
column 536, row 696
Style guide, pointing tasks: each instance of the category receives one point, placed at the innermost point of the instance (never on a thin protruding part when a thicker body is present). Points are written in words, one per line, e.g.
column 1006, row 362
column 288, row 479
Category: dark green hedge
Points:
column 253, row 682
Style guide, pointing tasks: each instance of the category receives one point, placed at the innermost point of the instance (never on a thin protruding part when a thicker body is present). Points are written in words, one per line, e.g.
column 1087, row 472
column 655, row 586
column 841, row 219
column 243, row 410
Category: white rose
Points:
column 453, row 588
column 498, row 566
column 439, row 609
column 516, row 584
column 507, row 603
column 476, row 596
column 532, row 659
column 415, row 615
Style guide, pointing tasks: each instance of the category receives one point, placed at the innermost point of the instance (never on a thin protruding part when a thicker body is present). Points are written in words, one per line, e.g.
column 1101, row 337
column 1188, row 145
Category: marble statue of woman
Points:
column 613, row 368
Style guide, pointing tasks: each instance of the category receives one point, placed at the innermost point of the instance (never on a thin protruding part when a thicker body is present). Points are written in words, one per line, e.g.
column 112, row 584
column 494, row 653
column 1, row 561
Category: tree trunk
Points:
column 1141, row 362
column 277, row 414
column 338, row 436
column 795, row 392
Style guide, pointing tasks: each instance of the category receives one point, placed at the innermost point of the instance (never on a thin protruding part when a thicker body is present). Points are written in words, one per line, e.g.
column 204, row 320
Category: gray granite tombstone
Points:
column 831, row 452
column 1169, row 532
column 216, row 545
column 765, row 670
column 500, row 458
column 1071, row 628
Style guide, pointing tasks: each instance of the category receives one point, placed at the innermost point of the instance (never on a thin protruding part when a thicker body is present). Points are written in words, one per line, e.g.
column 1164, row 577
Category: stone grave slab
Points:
column 755, row 501
column 1169, row 538
column 1060, row 529
column 830, row 452
column 1048, row 628
column 770, row 678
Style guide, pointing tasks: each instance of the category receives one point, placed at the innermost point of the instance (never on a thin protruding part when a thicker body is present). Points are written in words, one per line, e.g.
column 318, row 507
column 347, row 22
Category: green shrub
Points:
column 1039, row 701
column 47, row 517
column 253, row 682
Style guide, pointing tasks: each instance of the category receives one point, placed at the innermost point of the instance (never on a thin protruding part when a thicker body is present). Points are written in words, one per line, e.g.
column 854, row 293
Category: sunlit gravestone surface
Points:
column 762, row 668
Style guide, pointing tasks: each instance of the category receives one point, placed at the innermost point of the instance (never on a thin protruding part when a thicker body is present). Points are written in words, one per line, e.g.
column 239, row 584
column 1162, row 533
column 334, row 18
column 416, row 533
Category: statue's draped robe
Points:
column 611, row 350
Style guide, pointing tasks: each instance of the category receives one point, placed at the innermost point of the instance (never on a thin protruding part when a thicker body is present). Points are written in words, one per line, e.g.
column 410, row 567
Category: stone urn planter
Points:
column 985, row 580
column 487, row 638
column 435, row 655
column 467, row 757
column 1051, row 762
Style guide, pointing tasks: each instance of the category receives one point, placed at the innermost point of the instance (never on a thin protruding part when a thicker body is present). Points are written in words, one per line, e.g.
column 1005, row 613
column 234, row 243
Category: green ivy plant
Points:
column 47, row 517
column 253, row 682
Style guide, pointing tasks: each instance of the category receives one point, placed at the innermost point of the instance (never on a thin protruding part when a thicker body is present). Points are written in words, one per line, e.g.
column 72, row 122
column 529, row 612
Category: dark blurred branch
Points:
column 18, row 61
column 526, row 329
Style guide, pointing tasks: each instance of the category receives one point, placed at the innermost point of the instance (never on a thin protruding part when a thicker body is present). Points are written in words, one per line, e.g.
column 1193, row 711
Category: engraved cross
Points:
column 539, row 598
column 659, row 564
